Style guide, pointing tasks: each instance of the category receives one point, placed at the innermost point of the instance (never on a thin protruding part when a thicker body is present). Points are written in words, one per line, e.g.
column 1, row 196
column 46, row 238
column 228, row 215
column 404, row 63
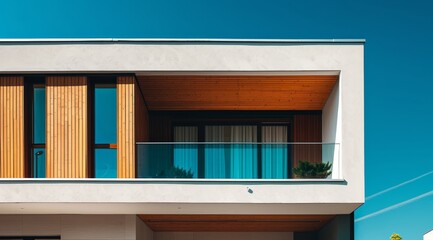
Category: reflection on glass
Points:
column 185, row 155
column 39, row 115
column 105, row 163
column 274, row 156
column 238, row 160
column 231, row 161
column 39, row 162
column 105, row 114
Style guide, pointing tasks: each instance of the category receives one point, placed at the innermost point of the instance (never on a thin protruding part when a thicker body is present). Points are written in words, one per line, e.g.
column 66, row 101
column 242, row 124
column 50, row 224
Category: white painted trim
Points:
column 177, row 40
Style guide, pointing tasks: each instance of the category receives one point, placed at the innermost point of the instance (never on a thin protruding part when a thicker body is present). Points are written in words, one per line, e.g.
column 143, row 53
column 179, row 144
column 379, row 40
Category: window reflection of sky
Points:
column 39, row 115
column 105, row 131
column 105, row 115
column 106, row 163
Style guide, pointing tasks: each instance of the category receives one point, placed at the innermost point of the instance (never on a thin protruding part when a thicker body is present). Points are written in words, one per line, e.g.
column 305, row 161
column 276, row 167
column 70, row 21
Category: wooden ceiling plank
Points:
column 235, row 223
column 236, row 92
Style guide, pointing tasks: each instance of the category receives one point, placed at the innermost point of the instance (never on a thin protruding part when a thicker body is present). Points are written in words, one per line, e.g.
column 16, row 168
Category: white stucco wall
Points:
column 342, row 197
column 70, row 227
column 331, row 130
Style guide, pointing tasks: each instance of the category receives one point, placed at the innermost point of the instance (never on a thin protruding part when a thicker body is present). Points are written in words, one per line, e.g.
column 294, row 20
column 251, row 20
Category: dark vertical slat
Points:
column 307, row 128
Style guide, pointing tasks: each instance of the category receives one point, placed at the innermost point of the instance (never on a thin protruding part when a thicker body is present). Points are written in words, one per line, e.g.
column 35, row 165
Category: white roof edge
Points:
column 177, row 40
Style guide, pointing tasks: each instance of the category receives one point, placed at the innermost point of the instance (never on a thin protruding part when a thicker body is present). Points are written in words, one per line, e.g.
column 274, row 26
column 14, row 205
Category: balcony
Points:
column 238, row 160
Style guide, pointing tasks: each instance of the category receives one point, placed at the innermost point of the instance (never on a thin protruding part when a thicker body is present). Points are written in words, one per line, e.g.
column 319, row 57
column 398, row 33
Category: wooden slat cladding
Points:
column 236, row 92
column 12, row 127
column 126, row 127
column 235, row 223
column 307, row 128
column 66, row 139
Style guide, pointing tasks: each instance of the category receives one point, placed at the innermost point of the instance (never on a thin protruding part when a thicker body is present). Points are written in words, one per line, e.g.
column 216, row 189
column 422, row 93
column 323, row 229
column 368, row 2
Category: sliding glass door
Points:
column 231, row 152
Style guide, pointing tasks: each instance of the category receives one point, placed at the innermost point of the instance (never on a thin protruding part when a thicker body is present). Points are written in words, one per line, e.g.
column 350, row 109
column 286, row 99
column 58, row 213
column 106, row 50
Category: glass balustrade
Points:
column 222, row 160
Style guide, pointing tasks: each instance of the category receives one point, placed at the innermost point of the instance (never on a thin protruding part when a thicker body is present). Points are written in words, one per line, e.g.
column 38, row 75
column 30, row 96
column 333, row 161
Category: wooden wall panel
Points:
column 126, row 127
column 66, row 139
column 236, row 92
column 12, row 163
column 307, row 127
column 141, row 117
column 160, row 127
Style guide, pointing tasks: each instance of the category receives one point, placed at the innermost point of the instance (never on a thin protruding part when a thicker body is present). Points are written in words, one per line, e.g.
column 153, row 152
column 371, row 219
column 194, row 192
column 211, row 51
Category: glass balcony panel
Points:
column 221, row 160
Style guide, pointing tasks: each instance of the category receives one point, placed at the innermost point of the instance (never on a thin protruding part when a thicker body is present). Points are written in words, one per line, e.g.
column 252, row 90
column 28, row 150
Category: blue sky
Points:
column 398, row 79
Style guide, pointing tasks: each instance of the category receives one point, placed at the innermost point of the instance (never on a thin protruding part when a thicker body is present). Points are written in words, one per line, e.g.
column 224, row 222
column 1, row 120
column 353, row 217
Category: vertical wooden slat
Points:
column 125, row 127
column 12, row 127
column 307, row 128
column 66, row 125
column 141, row 117
column 20, row 130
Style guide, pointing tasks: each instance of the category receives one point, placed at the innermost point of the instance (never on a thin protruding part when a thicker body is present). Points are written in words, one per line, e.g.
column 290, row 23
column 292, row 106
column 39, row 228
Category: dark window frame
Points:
column 92, row 146
column 201, row 131
column 30, row 82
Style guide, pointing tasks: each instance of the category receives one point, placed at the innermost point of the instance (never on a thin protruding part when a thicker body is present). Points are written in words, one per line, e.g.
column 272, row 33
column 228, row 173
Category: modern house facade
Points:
column 181, row 138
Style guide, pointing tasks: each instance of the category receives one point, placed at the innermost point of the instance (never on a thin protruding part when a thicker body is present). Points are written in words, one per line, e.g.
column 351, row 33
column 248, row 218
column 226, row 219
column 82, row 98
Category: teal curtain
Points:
column 243, row 157
column 274, row 153
column 233, row 159
column 186, row 154
column 216, row 158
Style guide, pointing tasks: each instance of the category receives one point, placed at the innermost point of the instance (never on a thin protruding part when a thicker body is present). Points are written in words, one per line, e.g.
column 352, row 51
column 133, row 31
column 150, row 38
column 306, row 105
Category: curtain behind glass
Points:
column 186, row 155
column 216, row 161
column 274, row 156
column 231, row 160
column 243, row 157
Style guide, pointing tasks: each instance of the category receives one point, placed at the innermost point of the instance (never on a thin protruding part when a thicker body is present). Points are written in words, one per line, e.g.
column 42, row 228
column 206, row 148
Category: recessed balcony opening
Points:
column 257, row 227
column 237, row 127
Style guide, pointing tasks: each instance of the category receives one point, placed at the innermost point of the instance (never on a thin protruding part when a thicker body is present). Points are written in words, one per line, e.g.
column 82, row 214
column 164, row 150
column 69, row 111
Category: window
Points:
column 35, row 108
column 247, row 151
column 104, row 136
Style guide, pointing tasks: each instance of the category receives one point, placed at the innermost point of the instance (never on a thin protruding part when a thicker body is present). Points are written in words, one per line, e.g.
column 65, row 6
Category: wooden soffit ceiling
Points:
column 236, row 92
column 235, row 223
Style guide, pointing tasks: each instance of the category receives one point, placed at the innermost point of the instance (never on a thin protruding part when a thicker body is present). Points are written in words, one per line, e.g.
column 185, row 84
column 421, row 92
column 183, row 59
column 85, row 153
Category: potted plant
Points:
column 176, row 172
column 306, row 169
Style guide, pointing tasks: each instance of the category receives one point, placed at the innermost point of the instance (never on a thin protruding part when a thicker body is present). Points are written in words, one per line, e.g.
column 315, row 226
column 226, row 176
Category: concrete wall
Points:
column 301, row 197
column 337, row 229
column 223, row 235
column 331, row 130
column 70, row 227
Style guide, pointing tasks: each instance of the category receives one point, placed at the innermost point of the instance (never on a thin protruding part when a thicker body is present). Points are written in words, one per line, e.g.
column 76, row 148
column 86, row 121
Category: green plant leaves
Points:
column 306, row 169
